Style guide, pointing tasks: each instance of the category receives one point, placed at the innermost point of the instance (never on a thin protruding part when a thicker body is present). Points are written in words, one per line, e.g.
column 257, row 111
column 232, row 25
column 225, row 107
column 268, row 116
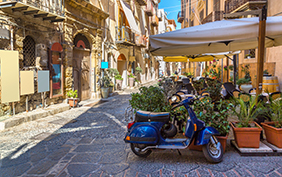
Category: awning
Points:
column 200, row 58
column 130, row 18
column 214, row 37
column 175, row 59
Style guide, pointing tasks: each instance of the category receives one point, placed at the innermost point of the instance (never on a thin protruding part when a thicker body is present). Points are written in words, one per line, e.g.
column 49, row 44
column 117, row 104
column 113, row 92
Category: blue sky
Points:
column 172, row 7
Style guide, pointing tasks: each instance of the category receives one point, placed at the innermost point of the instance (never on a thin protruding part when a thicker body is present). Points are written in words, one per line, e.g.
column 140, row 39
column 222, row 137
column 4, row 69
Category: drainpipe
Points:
column 105, row 39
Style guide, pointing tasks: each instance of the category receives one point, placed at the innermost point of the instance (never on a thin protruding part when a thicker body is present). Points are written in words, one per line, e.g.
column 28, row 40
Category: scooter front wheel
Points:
column 137, row 150
column 213, row 151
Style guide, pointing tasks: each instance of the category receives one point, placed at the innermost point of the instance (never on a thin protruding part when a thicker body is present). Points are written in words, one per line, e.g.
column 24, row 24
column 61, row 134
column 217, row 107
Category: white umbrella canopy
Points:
column 215, row 37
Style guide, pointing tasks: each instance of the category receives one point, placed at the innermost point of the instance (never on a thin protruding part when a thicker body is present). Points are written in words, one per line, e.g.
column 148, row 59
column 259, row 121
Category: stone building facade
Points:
column 64, row 37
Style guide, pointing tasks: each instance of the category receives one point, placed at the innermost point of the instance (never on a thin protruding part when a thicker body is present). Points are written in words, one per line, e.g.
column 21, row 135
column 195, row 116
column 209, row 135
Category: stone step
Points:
column 33, row 115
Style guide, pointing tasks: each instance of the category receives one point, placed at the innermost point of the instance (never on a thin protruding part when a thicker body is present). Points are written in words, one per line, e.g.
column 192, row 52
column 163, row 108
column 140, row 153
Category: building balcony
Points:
column 141, row 41
column 142, row 2
column 149, row 9
column 47, row 10
column 213, row 16
column 242, row 5
column 155, row 21
column 180, row 17
column 125, row 36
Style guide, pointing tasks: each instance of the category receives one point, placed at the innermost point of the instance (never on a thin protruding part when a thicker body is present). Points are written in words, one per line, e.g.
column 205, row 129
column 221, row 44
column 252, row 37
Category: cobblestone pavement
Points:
column 88, row 141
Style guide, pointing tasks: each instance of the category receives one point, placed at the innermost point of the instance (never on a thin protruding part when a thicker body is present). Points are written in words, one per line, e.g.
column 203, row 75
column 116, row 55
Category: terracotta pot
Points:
column 73, row 102
column 131, row 81
column 273, row 134
column 247, row 137
column 221, row 139
column 192, row 146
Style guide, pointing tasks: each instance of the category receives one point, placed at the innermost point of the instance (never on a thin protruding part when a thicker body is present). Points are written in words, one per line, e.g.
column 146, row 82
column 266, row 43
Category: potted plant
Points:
column 138, row 71
column 119, row 81
column 204, row 110
column 112, row 73
column 246, row 131
column 131, row 79
column 111, row 87
column 72, row 98
column 245, row 82
column 248, row 56
column 105, row 86
column 273, row 130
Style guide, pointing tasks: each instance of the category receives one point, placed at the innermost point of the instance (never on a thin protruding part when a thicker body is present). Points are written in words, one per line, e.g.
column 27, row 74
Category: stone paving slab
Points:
column 263, row 149
column 275, row 148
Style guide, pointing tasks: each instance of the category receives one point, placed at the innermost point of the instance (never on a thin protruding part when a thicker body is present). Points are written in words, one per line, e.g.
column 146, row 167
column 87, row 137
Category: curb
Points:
column 33, row 115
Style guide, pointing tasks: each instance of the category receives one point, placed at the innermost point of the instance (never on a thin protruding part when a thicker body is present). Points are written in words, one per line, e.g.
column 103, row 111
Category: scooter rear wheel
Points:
column 213, row 153
column 137, row 150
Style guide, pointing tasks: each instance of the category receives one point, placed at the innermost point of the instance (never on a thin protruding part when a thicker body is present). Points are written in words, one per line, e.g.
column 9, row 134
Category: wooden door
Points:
column 81, row 67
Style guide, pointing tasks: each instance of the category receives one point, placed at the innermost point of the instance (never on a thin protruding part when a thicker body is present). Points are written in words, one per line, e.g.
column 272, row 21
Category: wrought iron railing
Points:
column 213, row 16
column 180, row 16
column 124, row 34
column 55, row 6
column 231, row 5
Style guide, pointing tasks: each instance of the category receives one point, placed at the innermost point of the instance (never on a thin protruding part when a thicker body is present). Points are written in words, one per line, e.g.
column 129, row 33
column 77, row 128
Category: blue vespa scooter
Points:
column 145, row 134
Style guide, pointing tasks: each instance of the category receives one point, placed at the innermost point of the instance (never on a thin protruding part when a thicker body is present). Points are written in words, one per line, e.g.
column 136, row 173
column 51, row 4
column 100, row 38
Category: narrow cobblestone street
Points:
column 88, row 141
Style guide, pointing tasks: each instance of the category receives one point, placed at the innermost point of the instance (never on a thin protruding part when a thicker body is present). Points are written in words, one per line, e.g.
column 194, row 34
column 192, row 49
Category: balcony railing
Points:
column 125, row 36
column 141, row 40
column 149, row 9
column 213, row 16
column 54, row 7
column 155, row 20
column 231, row 5
column 180, row 17
column 142, row 2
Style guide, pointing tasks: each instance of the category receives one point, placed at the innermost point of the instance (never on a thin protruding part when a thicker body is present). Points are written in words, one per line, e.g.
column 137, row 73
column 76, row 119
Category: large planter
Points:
column 221, row 139
column 247, row 137
column 105, row 92
column 246, row 87
column 273, row 134
column 73, row 102
column 119, row 84
column 111, row 89
column 131, row 81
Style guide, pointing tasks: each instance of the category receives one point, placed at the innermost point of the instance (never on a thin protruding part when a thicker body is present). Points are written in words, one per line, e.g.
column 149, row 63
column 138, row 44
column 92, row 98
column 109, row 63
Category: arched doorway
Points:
column 81, row 66
column 122, row 68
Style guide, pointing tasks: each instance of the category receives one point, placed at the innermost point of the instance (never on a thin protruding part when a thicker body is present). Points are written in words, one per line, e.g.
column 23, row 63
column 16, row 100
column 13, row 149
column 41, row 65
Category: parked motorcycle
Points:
column 148, row 132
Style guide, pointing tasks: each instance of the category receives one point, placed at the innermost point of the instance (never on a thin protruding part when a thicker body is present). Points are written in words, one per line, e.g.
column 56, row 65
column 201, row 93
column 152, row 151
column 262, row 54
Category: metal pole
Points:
column 235, row 69
column 26, row 104
column 222, row 70
column 261, row 48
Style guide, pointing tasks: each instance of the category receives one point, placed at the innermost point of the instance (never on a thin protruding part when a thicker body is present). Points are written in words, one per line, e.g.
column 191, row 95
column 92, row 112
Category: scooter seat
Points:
column 146, row 116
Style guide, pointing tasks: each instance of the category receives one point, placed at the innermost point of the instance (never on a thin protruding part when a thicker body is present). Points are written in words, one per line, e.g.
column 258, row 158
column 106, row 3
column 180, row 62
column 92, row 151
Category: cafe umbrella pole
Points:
column 261, row 49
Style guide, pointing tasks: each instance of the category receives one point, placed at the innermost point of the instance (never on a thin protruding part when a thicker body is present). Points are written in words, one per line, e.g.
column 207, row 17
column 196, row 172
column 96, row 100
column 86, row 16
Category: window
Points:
column 250, row 53
column 28, row 51
column 202, row 15
column 56, row 70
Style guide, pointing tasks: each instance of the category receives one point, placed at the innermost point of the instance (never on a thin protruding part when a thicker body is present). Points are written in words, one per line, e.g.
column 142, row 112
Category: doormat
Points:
column 96, row 103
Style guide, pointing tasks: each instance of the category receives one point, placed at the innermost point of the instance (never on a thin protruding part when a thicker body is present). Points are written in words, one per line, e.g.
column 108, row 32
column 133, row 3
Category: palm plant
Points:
column 247, row 111
column 276, row 115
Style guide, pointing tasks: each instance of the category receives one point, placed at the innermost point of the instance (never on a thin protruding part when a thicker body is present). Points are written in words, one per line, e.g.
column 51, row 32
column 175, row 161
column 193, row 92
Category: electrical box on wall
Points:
column 104, row 65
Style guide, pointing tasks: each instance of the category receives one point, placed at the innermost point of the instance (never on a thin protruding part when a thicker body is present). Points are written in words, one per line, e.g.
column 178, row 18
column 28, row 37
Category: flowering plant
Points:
column 225, row 68
column 131, row 75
